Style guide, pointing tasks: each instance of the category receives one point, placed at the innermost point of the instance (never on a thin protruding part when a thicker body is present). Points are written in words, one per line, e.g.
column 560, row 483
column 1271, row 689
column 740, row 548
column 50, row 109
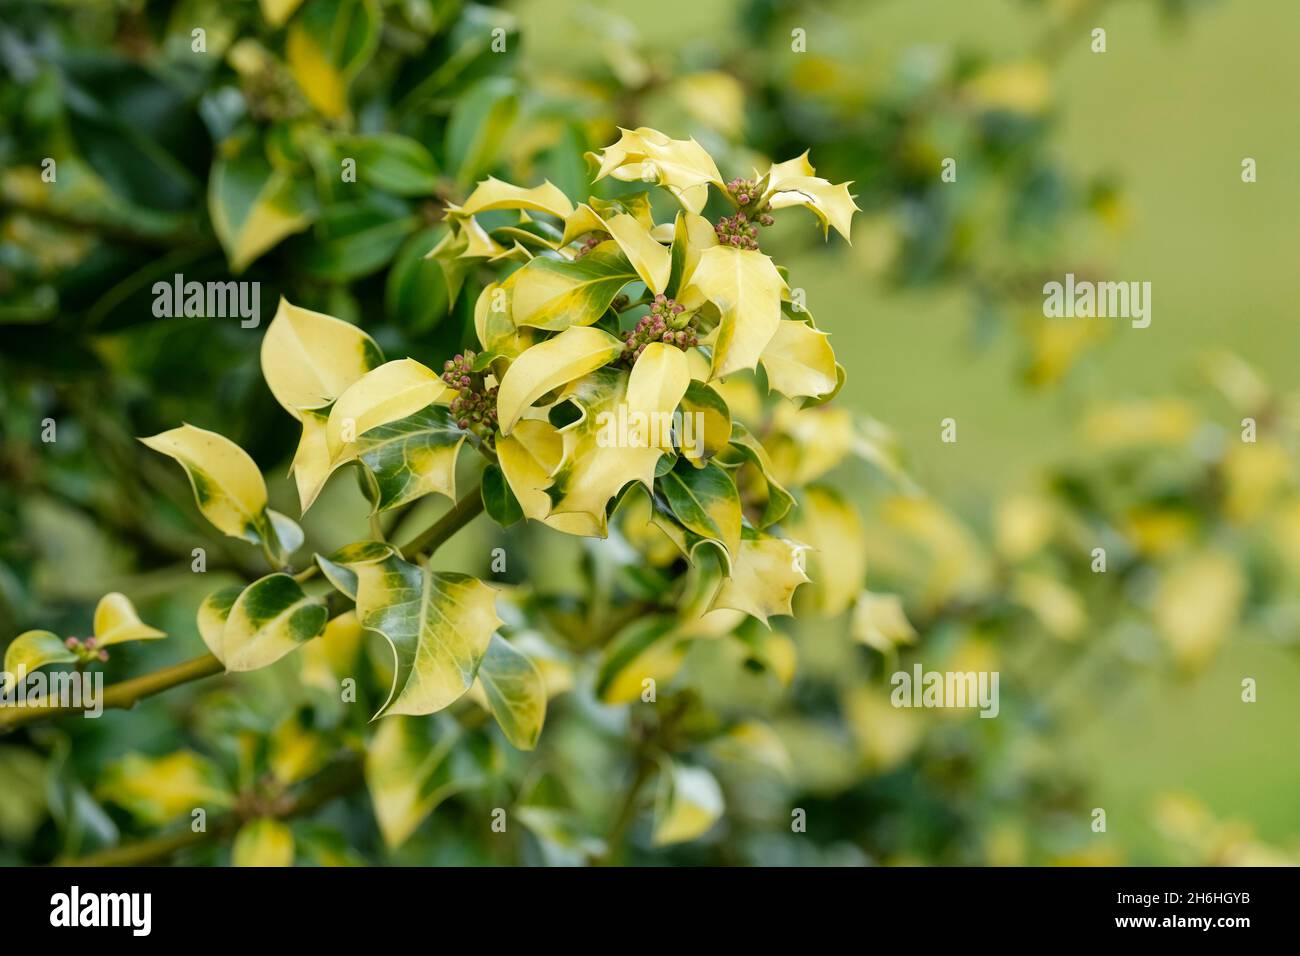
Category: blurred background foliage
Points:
column 1120, row 690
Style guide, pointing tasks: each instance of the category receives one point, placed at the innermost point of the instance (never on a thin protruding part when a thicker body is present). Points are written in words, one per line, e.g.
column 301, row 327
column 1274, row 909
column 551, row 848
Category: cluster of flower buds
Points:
column 86, row 650
column 475, row 406
column 665, row 322
column 741, row 230
column 592, row 240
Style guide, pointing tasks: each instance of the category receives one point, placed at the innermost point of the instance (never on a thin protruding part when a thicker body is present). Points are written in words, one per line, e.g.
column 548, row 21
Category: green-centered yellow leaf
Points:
column 269, row 619
column 212, row 615
column 764, row 576
column 648, row 649
column 439, row 626
column 410, row 769
column 262, row 842
column 309, row 359
column 387, row 394
column 683, row 167
column 252, row 205
column 30, row 650
column 157, row 790
column 495, row 326
column 832, row 529
column 604, row 449
column 513, row 691
column 706, row 423
column 116, row 621
column 748, row 450
column 746, row 288
column 327, row 43
column 527, row 457
column 227, row 485
column 338, row 566
column 555, row 294
column 492, row 193
column 412, row 457
column 799, row 361
column 689, row 802
column 705, row 500
column 651, row 260
column 550, row 364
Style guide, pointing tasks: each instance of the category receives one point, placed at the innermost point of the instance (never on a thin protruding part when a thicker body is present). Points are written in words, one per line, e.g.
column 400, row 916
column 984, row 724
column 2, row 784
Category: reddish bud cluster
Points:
column 86, row 650
column 592, row 240
column 665, row 322
column 741, row 229
column 475, row 406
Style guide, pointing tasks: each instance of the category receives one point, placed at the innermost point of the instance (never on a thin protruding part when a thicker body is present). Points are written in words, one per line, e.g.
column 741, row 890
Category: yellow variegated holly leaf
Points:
column 512, row 690
column 325, row 47
column 412, row 457
column 806, row 443
column 116, row 621
column 270, row 618
column 30, row 650
column 409, row 771
column 606, row 447
column 227, row 485
column 159, row 789
column 528, row 456
column 262, row 842
column 879, row 621
column 211, row 617
column 252, row 205
column 692, row 234
column 439, row 626
column 327, row 661
column 795, row 183
column 746, row 288
column 557, row 294
column 297, row 751
column 495, row 326
column 492, row 193
column 679, row 165
column 651, row 260
column 706, row 501
column 391, row 392
column 832, row 529
column 831, row 203
column 688, row 804
column 647, row 649
column 776, row 501
column 764, row 576
column 656, row 386
column 799, row 361
column 550, row 364
column 309, row 358
column 277, row 12
column 706, row 423
column 311, row 461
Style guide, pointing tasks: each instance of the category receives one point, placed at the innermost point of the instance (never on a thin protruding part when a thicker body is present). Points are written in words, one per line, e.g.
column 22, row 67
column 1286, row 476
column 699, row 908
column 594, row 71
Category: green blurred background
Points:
column 1169, row 112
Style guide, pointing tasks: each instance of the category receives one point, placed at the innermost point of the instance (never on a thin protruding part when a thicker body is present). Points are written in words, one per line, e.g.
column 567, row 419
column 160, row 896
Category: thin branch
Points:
column 462, row 513
column 326, row 787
